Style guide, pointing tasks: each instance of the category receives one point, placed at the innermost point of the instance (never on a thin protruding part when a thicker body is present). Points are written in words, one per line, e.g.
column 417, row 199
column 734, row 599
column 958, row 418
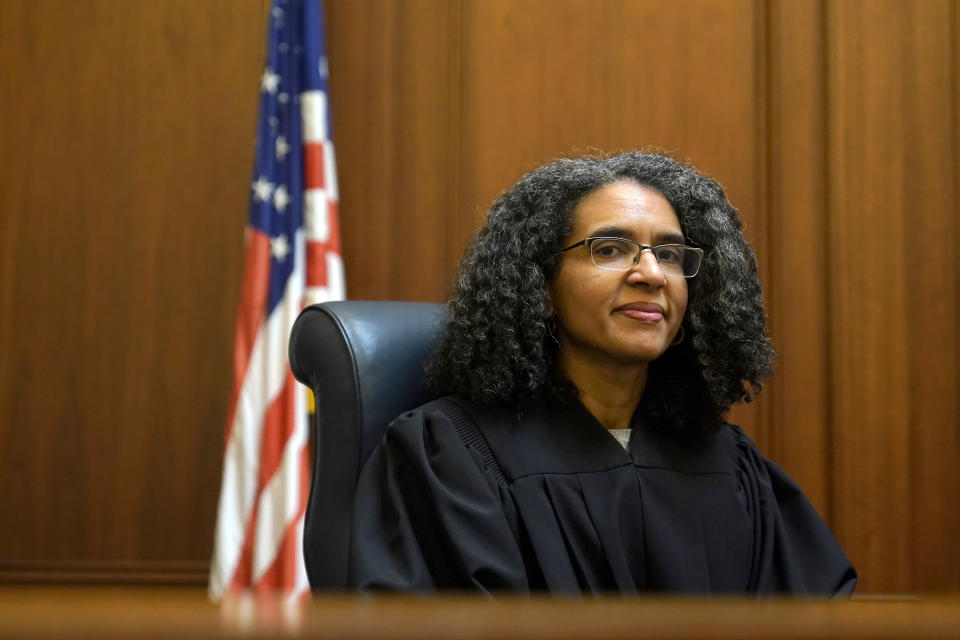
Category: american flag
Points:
column 292, row 258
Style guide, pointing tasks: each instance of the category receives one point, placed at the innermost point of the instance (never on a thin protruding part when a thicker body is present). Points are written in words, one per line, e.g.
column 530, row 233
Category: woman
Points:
column 605, row 319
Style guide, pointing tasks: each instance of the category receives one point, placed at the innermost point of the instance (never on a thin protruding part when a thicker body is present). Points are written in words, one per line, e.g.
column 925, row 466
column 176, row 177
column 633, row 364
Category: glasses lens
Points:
column 670, row 257
column 678, row 259
column 691, row 262
column 613, row 253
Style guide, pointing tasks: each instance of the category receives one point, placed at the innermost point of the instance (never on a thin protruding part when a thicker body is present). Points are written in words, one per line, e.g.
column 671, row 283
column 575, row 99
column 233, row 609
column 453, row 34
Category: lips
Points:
column 642, row 311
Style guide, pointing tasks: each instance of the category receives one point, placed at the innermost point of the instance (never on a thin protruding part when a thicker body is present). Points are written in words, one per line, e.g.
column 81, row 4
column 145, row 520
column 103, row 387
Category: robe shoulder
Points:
column 427, row 517
column 796, row 551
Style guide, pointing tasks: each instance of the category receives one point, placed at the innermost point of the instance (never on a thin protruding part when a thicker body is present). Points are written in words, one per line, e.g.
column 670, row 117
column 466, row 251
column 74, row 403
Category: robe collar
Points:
column 557, row 436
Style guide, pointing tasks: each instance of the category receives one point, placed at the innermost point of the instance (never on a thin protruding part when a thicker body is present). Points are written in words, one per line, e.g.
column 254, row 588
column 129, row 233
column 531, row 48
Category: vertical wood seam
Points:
column 763, row 198
column 395, row 112
column 823, row 20
column 954, row 9
column 455, row 93
column 771, row 203
column 910, row 110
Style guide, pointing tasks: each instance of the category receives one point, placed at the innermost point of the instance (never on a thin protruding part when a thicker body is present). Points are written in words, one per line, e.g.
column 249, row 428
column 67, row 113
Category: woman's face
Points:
column 619, row 317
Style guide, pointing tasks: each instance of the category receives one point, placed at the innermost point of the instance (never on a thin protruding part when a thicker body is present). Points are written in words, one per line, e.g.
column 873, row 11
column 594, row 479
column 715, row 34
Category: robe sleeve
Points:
column 427, row 517
column 794, row 550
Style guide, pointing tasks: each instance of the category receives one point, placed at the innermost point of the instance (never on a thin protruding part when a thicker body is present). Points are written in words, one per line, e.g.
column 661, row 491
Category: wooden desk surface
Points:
column 165, row 613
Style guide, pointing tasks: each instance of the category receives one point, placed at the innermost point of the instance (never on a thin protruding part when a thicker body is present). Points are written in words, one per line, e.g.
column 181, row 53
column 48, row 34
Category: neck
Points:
column 611, row 392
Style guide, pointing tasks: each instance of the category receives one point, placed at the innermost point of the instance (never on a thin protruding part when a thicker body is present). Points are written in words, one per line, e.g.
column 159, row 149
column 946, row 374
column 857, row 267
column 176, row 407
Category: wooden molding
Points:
column 104, row 572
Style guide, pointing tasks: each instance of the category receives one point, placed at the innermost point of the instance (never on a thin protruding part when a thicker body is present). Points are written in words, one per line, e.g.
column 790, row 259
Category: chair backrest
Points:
column 364, row 362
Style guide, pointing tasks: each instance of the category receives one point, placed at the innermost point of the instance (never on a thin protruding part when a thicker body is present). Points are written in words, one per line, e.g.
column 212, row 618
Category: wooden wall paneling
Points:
column 870, row 404
column 634, row 74
column 757, row 416
column 955, row 113
column 867, row 296
column 931, row 220
column 797, row 265
column 359, row 53
column 892, row 316
column 750, row 191
column 127, row 136
column 393, row 71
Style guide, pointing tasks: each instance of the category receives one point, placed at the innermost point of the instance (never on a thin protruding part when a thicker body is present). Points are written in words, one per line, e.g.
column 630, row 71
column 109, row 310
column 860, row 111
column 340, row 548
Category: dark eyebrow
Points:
column 672, row 238
column 612, row 232
column 622, row 232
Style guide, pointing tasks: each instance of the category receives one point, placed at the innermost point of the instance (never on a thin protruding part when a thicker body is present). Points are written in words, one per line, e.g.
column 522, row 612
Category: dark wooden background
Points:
column 127, row 140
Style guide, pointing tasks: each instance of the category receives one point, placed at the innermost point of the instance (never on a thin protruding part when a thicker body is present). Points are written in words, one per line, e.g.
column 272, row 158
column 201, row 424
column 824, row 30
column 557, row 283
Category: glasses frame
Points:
column 588, row 243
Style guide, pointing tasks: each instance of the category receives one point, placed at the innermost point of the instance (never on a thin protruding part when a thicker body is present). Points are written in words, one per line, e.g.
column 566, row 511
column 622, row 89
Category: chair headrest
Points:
column 366, row 354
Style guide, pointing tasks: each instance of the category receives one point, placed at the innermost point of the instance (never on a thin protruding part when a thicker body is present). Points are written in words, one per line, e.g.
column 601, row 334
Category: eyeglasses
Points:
column 620, row 254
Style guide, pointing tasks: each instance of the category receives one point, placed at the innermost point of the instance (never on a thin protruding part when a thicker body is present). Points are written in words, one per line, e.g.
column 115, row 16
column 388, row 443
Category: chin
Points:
column 648, row 347
column 642, row 353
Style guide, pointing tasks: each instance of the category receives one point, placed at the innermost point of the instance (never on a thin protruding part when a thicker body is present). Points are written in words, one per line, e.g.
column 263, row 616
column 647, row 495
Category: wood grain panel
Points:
column 932, row 300
column 394, row 96
column 870, row 400
column 893, row 312
column 127, row 133
column 544, row 79
column 955, row 115
column 797, row 274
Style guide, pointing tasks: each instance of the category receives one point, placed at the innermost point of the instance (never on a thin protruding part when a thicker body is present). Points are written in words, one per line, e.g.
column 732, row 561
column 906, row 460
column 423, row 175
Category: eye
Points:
column 669, row 254
column 611, row 248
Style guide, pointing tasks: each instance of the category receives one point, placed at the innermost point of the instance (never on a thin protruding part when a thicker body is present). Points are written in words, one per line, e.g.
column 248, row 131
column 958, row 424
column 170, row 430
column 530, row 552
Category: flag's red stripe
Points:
column 243, row 572
column 253, row 303
column 282, row 573
column 278, row 425
column 317, row 251
column 333, row 220
column 313, row 165
column 317, row 264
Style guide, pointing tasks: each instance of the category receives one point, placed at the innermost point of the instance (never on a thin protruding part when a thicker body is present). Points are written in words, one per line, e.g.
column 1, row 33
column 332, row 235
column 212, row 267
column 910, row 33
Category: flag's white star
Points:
column 323, row 67
column 269, row 81
column 279, row 247
column 283, row 47
column 262, row 189
column 273, row 121
column 277, row 12
column 281, row 198
column 284, row 98
column 282, row 147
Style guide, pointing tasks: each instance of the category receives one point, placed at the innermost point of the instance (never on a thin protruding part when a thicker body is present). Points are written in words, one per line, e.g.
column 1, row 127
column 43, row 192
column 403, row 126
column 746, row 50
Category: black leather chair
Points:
column 364, row 362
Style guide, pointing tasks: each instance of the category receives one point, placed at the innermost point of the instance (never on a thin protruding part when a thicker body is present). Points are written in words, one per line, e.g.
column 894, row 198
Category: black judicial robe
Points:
column 576, row 513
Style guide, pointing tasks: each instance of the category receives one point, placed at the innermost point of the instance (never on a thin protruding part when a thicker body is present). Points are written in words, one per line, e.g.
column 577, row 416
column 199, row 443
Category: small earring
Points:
column 678, row 338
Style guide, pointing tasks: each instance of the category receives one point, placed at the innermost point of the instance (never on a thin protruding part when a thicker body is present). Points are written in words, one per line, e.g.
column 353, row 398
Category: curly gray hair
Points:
column 497, row 348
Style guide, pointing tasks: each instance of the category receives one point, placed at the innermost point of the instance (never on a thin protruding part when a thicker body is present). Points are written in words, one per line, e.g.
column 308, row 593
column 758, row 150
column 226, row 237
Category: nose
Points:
column 647, row 270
